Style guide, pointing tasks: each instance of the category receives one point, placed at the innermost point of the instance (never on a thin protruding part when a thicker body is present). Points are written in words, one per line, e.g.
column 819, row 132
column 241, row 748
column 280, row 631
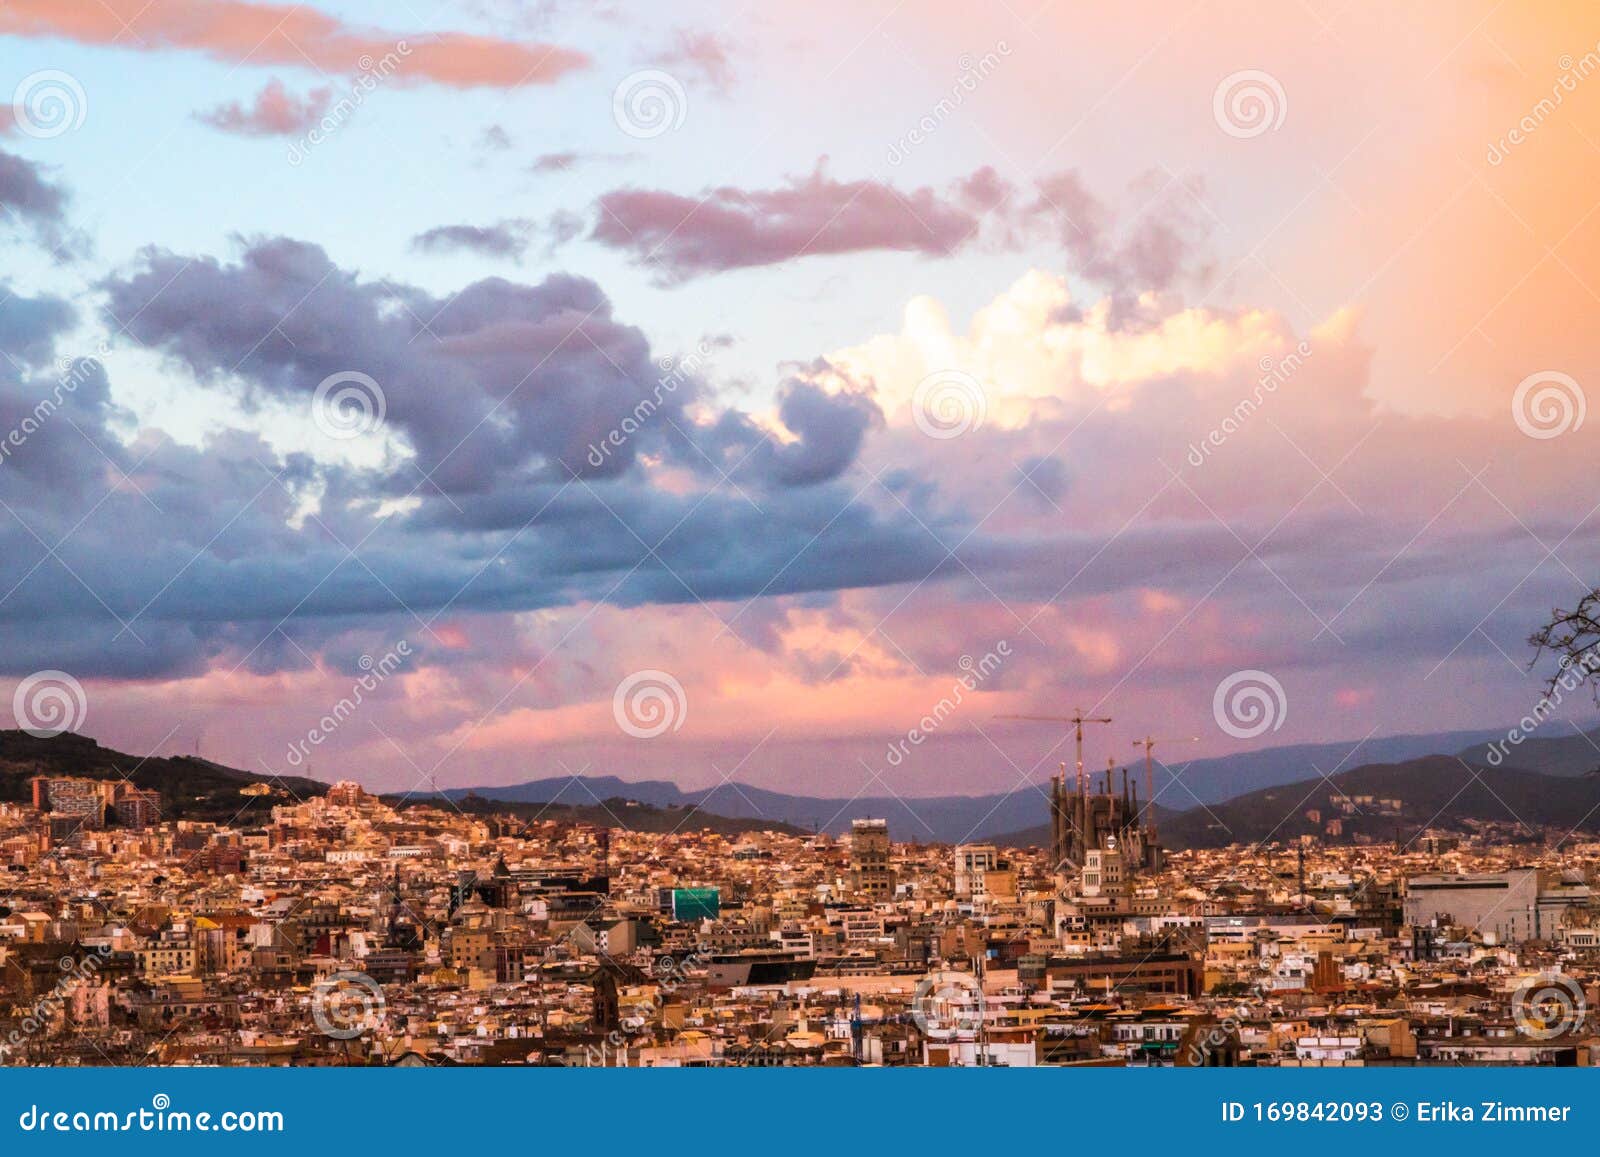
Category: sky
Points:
column 460, row 394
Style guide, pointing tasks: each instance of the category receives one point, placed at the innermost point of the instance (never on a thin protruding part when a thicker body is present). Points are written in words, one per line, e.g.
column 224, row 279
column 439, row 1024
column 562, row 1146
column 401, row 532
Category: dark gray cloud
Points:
column 492, row 382
column 508, row 239
column 829, row 429
column 825, row 416
column 30, row 326
column 154, row 559
column 31, row 203
column 565, row 162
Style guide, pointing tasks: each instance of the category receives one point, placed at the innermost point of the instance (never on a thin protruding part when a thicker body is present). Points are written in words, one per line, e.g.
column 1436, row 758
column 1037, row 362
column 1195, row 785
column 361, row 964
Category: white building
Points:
column 972, row 861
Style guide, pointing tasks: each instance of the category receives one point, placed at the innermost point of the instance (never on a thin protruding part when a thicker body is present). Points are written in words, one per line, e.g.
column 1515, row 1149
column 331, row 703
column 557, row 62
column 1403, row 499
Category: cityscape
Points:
column 345, row 929
column 540, row 534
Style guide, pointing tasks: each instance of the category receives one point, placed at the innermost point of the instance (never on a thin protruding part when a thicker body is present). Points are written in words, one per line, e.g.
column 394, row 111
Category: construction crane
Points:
column 1148, row 743
column 1077, row 722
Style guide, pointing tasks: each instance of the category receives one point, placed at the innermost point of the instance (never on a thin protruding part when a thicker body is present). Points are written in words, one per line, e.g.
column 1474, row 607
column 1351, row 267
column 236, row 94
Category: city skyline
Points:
column 716, row 398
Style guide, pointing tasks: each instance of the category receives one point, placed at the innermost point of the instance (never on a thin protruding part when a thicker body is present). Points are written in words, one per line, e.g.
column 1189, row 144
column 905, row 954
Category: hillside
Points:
column 615, row 812
column 1438, row 791
column 197, row 789
column 1575, row 753
column 191, row 788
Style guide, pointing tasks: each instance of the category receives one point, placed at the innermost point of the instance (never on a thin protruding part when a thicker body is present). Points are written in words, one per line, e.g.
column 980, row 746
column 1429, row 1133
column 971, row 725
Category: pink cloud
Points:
column 703, row 53
column 275, row 112
column 239, row 33
column 728, row 227
column 731, row 228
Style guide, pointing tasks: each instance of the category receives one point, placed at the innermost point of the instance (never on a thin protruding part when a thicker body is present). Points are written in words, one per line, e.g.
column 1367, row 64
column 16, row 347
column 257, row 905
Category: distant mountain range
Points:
column 1184, row 791
column 958, row 818
column 197, row 789
column 1550, row 780
column 1576, row 753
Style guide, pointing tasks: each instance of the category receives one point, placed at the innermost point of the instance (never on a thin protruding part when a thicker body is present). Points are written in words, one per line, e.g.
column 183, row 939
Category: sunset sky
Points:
column 787, row 366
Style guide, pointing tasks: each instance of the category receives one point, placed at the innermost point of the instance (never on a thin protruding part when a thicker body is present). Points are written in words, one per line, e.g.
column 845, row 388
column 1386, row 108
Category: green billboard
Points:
column 696, row 903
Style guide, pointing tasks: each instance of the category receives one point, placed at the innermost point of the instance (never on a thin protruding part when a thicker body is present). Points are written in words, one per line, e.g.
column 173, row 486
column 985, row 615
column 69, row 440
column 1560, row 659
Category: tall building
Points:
column 973, row 863
column 136, row 807
column 870, row 872
column 82, row 801
column 1085, row 821
column 76, row 804
column 346, row 793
